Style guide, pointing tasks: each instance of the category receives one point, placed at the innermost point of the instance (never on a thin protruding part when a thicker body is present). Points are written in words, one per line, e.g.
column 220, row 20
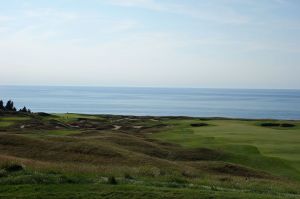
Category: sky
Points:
column 151, row 43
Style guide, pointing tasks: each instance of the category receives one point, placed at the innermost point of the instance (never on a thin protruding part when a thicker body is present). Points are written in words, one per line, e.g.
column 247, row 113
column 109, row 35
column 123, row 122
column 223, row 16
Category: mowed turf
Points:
column 242, row 138
column 8, row 121
column 104, row 156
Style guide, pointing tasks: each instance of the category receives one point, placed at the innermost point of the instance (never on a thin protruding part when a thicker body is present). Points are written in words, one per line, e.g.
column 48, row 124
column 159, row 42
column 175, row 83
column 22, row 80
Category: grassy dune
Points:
column 91, row 156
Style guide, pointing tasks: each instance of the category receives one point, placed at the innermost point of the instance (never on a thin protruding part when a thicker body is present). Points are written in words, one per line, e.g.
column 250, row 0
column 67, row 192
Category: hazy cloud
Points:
column 216, row 43
column 199, row 10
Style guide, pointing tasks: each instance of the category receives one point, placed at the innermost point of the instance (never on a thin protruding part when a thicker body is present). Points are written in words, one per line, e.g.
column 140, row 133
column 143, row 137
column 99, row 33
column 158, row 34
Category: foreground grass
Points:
column 121, row 191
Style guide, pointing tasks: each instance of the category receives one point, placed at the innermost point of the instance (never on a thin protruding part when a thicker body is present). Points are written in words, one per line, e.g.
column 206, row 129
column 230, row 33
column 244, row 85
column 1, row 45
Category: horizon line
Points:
column 147, row 87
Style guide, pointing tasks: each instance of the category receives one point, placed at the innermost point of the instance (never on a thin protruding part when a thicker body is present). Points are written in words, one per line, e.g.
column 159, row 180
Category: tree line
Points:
column 9, row 106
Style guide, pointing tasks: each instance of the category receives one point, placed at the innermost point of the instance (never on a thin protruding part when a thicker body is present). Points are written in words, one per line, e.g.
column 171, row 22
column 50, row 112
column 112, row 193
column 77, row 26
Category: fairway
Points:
column 8, row 121
column 244, row 137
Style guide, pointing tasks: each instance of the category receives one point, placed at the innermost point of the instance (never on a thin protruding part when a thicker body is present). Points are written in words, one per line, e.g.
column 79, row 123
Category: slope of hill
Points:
column 105, row 156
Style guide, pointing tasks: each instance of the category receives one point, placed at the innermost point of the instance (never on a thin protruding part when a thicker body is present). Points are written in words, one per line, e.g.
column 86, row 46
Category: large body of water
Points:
column 236, row 103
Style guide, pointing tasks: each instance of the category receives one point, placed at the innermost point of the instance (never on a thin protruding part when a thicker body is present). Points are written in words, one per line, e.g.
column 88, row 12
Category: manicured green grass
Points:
column 69, row 117
column 5, row 123
column 244, row 139
column 8, row 121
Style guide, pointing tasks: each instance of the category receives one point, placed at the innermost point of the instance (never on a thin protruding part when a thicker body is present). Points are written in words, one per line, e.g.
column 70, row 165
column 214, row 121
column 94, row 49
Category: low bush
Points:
column 112, row 180
column 286, row 125
column 3, row 173
column 199, row 124
column 13, row 167
column 270, row 124
column 128, row 176
column 149, row 171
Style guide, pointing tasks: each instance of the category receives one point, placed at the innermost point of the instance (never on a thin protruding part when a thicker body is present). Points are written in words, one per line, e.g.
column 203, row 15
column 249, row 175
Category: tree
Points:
column 1, row 105
column 10, row 106
column 23, row 110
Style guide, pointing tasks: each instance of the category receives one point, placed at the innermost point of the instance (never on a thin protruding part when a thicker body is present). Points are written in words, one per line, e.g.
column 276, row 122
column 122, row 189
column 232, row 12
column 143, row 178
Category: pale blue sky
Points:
column 164, row 43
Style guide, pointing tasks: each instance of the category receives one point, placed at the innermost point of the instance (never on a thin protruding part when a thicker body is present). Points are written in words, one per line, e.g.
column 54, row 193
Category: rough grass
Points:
column 147, row 157
column 61, row 132
column 22, row 118
column 123, row 191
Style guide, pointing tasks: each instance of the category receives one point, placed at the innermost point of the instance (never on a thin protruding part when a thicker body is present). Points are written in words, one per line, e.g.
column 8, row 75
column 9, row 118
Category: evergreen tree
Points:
column 10, row 106
column 23, row 110
column 1, row 105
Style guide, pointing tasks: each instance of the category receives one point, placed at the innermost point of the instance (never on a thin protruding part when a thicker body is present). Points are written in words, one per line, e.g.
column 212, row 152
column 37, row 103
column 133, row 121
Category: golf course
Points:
column 108, row 156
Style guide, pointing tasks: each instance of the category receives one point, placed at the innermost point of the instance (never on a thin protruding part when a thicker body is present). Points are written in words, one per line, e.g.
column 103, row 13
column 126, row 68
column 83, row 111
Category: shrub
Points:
column 150, row 171
column 286, row 125
column 213, row 188
column 43, row 114
column 128, row 176
column 13, row 167
column 178, row 180
column 3, row 173
column 270, row 124
column 199, row 124
column 189, row 174
column 112, row 180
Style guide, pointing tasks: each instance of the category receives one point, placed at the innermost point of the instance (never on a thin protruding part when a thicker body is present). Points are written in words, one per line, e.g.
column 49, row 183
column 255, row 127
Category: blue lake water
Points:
column 237, row 103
